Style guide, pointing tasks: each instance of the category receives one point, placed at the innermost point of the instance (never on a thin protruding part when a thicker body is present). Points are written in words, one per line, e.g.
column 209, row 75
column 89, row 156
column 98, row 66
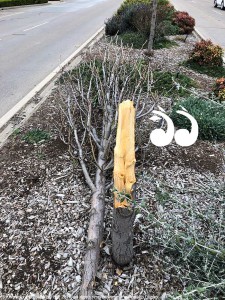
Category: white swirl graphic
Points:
column 159, row 137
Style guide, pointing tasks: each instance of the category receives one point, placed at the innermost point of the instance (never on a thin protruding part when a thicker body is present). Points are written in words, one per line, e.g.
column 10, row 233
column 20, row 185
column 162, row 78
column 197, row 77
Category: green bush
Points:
column 6, row 3
column 205, row 53
column 166, row 28
column 209, row 115
column 119, row 24
column 141, row 18
column 213, row 71
column 133, row 39
column 128, row 3
column 163, row 83
column 113, row 26
column 137, row 18
column 164, row 43
column 138, row 40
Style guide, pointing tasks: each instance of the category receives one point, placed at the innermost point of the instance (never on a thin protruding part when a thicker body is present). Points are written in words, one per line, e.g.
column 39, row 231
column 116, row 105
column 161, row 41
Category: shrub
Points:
column 205, row 53
column 184, row 21
column 119, row 24
column 128, row 3
column 213, row 71
column 166, row 28
column 186, row 234
column 137, row 17
column 133, row 39
column 164, row 43
column 219, row 89
column 112, row 26
column 5, row 3
column 164, row 84
column 141, row 18
column 209, row 115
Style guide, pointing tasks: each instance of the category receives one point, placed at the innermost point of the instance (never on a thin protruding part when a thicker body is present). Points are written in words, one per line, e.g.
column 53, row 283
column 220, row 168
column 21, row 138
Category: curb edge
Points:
column 7, row 126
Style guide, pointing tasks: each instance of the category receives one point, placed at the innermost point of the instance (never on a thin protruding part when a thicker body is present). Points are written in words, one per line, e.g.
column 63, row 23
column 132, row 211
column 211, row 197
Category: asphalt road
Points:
column 210, row 21
column 35, row 40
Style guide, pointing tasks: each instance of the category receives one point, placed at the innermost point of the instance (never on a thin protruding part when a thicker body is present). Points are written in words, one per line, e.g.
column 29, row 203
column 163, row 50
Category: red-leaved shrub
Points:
column 184, row 21
column 219, row 89
column 205, row 53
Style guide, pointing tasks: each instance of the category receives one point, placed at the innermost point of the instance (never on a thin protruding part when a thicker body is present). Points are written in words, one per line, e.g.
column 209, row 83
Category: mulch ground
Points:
column 45, row 207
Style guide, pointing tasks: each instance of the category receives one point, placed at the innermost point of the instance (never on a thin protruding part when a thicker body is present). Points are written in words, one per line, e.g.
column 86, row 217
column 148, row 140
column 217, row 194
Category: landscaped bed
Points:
column 179, row 227
column 7, row 3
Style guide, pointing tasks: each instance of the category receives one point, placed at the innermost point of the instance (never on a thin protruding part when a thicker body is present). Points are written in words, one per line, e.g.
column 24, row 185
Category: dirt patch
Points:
column 202, row 157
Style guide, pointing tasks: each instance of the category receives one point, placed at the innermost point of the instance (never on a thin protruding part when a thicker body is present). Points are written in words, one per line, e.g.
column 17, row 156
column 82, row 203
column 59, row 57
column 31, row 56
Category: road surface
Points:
column 210, row 21
column 35, row 40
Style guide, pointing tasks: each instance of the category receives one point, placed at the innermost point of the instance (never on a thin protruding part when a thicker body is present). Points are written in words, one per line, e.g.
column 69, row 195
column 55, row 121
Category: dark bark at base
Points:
column 122, row 235
column 149, row 53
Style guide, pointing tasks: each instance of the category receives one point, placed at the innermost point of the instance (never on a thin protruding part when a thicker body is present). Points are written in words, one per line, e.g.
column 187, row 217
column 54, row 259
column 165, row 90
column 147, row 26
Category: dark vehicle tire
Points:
column 222, row 5
column 215, row 3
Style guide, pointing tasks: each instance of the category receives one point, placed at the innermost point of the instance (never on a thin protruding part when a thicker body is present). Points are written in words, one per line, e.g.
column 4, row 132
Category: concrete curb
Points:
column 6, row 128
column 198, row 34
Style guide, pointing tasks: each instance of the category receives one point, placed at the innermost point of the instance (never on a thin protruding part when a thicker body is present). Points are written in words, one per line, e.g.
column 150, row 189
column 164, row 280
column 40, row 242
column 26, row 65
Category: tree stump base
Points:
column 122, row 235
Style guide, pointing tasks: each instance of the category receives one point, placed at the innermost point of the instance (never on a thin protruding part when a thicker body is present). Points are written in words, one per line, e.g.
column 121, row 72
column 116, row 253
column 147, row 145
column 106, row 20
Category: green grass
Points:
column 35, row 136
column 7, row 3
column 209, row 115
column 213, row 71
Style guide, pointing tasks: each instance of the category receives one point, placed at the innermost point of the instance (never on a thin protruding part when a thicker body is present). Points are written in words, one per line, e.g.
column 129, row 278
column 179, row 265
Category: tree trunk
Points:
column 152, row 28
column 124, row 182
column 122, row 235
column 94, row 234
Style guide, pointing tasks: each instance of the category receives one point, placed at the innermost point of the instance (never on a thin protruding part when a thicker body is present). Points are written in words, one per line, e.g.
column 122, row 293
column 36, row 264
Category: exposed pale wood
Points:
column 124, row 180
column 124, row 153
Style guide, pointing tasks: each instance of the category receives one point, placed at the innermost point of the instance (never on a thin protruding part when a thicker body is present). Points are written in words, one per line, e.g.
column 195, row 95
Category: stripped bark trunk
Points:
column 94, row 233
column 124, row 182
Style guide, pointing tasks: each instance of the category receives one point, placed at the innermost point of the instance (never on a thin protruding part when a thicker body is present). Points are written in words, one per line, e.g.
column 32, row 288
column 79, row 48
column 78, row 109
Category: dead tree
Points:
column 89, row 100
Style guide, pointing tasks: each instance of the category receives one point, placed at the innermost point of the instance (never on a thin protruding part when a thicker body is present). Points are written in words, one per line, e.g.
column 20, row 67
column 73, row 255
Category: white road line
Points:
column 5, row 16
column 35, row 26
